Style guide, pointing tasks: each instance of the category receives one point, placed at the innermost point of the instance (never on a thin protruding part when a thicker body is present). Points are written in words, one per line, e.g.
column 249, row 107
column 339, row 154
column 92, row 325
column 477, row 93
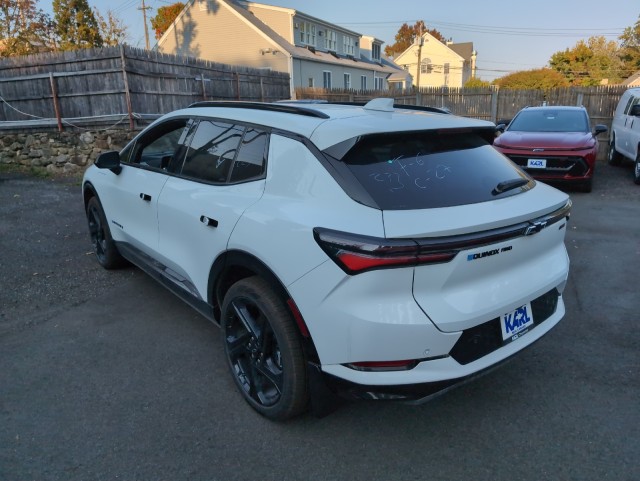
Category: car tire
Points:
column 103, row 245
column 613, row 156
column 264, row 350
column 636, row 169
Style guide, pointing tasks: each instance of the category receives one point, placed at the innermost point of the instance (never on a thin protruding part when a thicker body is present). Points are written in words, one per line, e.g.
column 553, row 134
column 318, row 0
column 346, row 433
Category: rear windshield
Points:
column 427, row 169
column 549, row 120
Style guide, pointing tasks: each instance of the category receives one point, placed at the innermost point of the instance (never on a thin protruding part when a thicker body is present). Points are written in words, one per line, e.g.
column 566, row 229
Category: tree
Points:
column 76, row 25
column 588, row 63
column 112, row 29
column 407, row 35
column 476, row 83
column 24, row 28
column 544, row 78
column 630, row 49
column 165, row 17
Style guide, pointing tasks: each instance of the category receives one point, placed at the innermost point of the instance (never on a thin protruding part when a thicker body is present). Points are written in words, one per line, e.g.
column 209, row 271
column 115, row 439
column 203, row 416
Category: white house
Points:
column 314, row 52
column 433, row 63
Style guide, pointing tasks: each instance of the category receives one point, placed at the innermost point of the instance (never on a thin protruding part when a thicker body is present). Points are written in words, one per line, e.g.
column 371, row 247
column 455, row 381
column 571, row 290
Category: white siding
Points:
column 221, row 36
column 279, row 21
column 304, row 70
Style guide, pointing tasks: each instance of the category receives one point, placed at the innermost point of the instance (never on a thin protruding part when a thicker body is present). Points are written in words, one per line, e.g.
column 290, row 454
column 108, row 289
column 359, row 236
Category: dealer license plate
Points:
column 537, row 163
column 516, row 323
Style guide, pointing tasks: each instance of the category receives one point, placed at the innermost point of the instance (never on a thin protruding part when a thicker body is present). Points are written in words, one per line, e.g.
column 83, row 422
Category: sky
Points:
column 509, row 35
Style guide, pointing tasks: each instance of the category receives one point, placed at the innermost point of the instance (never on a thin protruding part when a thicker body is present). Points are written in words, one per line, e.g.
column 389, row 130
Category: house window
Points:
column 348, row 45
column 446, row 69
column 331, row 40
column 307, row 33
column 426, row 66
column 378, row 83
column 375, row 51
column 326, row 79
column 347, row 80
column 363, row 82
column 311, row 82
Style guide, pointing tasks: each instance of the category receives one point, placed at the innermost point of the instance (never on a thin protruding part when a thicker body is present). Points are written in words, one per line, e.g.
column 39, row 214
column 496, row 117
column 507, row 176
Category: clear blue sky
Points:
column 509, row 35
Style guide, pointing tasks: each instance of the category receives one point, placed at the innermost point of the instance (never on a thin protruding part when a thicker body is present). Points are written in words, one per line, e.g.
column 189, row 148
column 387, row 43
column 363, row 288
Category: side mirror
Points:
column 109, row 160
column 600, row 129
column 500, row 128
column 635, row 110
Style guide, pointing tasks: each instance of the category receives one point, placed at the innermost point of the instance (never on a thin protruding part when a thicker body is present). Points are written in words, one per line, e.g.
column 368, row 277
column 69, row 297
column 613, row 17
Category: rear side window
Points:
column 212, row 151
column 428, row 169
column 251, row 159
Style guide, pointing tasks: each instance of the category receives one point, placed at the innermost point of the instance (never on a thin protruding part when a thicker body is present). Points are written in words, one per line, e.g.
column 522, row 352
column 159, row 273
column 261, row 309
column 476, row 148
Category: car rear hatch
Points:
column 490, row 239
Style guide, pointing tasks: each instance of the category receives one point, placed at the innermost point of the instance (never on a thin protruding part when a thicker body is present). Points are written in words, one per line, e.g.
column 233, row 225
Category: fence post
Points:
column 237, row 85
column 204, row 90
column 580, row 99
column 56, row 106
column 261, row 90
column 494, row 104
column 126, row 87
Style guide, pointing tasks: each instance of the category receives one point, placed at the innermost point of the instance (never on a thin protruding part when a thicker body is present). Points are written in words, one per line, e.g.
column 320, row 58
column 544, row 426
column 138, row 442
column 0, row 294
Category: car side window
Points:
column 631, row 101
column 251, row 160
column 212, row 150
column 161, row 146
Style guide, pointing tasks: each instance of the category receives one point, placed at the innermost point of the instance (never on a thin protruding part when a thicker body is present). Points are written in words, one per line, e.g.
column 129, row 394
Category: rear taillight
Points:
column 356, row 253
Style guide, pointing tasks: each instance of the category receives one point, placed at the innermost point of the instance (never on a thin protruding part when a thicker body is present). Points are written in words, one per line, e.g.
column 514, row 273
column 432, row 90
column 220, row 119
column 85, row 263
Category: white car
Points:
column 373, row 251
column 624, row 141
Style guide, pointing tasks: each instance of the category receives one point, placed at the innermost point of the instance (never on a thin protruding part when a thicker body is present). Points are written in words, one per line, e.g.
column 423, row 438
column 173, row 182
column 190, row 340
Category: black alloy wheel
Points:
column 103, row 245
column 264, row 350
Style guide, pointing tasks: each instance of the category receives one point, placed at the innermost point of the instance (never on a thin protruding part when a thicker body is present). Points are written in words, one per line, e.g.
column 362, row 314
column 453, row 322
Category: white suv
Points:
column 373, row 251
column 624, row 141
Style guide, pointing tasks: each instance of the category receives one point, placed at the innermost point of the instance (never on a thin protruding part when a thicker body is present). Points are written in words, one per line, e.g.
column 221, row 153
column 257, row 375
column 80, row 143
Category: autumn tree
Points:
column 544, row 78
column 112, row 29
column 24, row 28
column 588, row 63
column 165, row 17
column 476, row 83
column 407, row 35
column 630, row 49
column 76, row 25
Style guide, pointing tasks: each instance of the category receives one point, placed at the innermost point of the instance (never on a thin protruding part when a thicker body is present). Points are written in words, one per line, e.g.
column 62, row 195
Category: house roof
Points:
column 465, row 50
column 633, row 79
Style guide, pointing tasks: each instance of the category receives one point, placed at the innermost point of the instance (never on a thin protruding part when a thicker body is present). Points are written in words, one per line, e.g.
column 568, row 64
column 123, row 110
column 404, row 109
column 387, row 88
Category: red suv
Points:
column 553, row 144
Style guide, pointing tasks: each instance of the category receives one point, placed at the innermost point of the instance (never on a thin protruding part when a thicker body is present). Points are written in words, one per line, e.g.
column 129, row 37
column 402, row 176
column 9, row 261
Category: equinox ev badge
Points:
column 492, row 252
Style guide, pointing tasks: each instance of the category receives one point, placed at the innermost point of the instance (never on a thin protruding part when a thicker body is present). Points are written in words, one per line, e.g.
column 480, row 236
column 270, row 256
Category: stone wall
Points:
column 60, row 152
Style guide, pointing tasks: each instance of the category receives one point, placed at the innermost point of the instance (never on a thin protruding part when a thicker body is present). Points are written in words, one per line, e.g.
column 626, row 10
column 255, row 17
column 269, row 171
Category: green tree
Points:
column 112, row 29
column 165, row 17
column 544, row 78
column 407, row 35
column 588, row 63
column 76, row 25
column 24, row 28
column 476, row 83
column 630, row 49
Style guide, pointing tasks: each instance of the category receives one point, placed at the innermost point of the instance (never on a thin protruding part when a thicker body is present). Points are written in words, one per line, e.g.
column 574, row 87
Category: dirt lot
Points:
column 105, row 375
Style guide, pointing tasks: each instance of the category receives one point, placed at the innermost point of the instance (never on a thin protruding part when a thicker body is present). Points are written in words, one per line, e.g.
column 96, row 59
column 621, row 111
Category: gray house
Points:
column 314, row 52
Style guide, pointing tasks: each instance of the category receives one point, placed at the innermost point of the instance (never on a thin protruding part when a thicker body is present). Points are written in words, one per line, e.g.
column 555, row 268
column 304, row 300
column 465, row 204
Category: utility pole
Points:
column 146, row 30
column 420, row 41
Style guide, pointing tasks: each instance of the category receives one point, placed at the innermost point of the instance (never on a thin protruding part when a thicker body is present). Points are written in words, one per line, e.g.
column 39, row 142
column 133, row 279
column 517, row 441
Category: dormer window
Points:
column 348, row 45
column 331, row 40
column 307, row 33
column 375, row 51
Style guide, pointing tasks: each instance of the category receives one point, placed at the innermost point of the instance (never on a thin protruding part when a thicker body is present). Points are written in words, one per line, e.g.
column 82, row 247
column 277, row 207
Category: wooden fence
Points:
column 120, row 84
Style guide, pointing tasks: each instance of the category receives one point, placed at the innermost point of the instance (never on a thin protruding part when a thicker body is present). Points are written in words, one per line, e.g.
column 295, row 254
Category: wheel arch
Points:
column 235, row 265
column 88, row 191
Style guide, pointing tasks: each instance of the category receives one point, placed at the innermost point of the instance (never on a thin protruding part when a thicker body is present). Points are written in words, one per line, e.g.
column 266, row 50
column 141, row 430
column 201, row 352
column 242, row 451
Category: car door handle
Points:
column 145, row 197
column 208, row 221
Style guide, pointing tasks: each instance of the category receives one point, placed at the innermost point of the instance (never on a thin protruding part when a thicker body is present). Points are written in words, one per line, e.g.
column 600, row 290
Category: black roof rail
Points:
column 288, row 109
column 423, row 108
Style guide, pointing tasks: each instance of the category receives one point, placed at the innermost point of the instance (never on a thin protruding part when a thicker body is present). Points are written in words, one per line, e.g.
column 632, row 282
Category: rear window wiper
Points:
column 509, row 185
